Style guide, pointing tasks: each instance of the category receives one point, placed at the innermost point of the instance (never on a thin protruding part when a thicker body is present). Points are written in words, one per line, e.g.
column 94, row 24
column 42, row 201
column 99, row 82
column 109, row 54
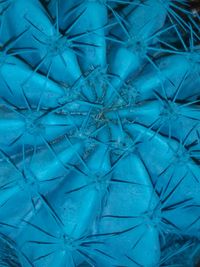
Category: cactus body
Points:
column 99, row 133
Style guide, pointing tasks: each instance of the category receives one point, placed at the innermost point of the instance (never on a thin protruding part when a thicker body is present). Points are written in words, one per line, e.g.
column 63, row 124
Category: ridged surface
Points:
column 99, row 133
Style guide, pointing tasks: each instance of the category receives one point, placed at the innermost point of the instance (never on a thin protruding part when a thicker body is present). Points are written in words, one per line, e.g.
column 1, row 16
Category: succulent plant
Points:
column 99, row 133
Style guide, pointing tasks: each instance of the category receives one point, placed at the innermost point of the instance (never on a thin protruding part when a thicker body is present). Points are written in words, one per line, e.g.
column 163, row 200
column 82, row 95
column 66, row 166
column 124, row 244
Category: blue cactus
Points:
column 99, row 133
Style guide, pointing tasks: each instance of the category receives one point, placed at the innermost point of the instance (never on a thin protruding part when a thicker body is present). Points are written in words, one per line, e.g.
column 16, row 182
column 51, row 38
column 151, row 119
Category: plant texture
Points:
column 99, row 133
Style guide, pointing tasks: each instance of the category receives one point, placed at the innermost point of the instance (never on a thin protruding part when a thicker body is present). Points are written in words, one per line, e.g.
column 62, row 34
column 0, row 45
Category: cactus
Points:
column 99, row 133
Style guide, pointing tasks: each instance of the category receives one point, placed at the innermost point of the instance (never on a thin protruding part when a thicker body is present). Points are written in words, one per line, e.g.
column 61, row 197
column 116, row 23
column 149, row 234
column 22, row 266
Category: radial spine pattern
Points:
column 99, row 133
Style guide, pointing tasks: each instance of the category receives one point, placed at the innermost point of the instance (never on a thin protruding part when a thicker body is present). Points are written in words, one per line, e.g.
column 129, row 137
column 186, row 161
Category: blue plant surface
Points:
column 99, row 133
